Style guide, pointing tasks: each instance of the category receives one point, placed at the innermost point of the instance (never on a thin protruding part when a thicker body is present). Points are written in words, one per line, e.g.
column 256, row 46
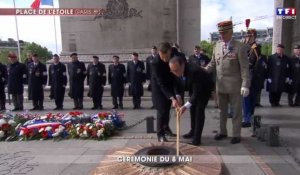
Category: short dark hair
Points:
column 73, row 54
column 55, row 55
column 135, row 54
column 115, row 56
column 177, row 59
column 197, row 47
column 95, row 57
column 154, row 47
column 164, row 47
column 35, row 55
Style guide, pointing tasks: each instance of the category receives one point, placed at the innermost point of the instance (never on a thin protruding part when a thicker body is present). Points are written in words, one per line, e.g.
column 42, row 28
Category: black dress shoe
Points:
column 246, row 125
column 15, row 109
column 121, row 107
column 34, row 109
column 75, row 108
column 41, row 108
column 115, row 107
column 152, row 107
column 162, row 139
column 188, row 135
column 220, row 136
column 93, row 108
column 100, row 107
column 55, row 109
column 259, row 105
column 195, row 143
column 168, row 132
column 80, row 108
column 235, row 140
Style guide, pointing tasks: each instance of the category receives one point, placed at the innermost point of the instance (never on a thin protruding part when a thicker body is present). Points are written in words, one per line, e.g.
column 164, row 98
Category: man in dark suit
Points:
column 295, row 78
column 57, row 82
column 163, row 94
column 28, row 59
column 200, row 86
column 278, row 75
column 96, row 79
column 136, row 78
column 17, row 77
column 117, row 80
column 3, row 82
column 198, row 58
column 77, row 74
column 37, row 79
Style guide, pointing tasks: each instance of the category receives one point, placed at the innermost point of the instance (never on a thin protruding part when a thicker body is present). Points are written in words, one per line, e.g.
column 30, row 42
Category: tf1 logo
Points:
column 286, row 12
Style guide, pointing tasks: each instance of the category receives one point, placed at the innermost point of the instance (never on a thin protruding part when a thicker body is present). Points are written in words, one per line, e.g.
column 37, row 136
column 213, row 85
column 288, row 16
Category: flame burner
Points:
column 205, row 161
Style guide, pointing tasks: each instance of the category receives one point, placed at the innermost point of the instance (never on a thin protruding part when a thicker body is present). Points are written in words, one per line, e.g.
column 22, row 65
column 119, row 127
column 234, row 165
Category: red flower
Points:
column 5, row 127
column 45, row 134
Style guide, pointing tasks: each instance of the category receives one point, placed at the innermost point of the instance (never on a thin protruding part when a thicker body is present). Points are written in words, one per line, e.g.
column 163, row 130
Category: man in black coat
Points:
column 37, row 79
column 28, row 59
column 278, row 75
column 163, row 93
column 57, row 82
column 96, row 79
column 200, row 86
column 3, row 82
column 136, row 78
column 17, row 77
column 198, row 58
column 117, row 80
column 295, row 78
column 149, row 61
column 77, row 74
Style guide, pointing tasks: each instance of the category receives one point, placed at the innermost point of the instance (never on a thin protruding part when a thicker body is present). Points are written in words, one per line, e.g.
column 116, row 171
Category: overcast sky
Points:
column 40, row 29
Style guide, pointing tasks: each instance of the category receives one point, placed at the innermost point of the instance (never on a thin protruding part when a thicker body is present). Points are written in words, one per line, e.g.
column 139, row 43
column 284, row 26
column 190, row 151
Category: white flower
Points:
column 44, row 117
column 2, row 134
column 21, row 133
column 48, row 128
column 18, row 126
column 85, row 132
column 12, row 123
column 2, row 122
column 55, row 134
column 41, row 130
column 88, row 124
column 91, row 127
column 100, row 132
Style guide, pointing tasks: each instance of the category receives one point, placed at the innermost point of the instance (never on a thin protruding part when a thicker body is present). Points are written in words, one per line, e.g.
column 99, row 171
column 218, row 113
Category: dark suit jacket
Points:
column 163, row 82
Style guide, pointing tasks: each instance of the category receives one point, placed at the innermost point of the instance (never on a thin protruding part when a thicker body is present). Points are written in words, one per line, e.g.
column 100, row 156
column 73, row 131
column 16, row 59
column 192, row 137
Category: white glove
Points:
column 244, row 91
column 287, row 80
column 290, row 82
column 269, row 80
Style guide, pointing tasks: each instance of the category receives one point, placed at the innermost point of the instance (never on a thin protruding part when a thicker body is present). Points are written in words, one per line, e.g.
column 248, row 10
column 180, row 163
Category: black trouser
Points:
column 163, row 117
column 115, row 102
column 59, row 101
column 2, row 99
column 136, row 100
column 38, row 103
column 17, row 100
column 258, row 95
column 78, row 103
column 197, row 113
column 274, row 98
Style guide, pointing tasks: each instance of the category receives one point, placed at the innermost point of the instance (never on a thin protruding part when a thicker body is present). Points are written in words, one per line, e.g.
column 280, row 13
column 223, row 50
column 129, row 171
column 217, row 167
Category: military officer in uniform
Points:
column 57, row 82
column 278, row 75
column 37, row 79
column 149, row 61
column 136, row 78
column 77, row 74
column 257, row 70
column 28, row 59
column 295, row 78
column 117, row 80
column 17, row 77
column 198, row 58
column 232, row 71
column 96, row 79
column 3, row 81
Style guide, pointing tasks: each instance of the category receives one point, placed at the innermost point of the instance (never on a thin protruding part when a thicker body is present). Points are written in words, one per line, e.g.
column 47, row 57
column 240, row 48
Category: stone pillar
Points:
column 277, row 28
column 189, row 25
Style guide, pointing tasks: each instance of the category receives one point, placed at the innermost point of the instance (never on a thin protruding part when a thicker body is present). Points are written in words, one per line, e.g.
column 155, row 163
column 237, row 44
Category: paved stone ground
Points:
column 80, row 157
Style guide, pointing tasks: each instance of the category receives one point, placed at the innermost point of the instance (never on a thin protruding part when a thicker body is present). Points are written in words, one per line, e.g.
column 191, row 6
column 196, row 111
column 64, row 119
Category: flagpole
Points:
column 17, row 29
column 55, row 32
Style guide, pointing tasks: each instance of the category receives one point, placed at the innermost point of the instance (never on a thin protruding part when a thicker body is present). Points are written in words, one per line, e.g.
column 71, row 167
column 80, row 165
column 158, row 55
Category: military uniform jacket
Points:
column 232, row 67
column 17, row 77
column 149, row 61
column 57, row 80
column 202, row 61
column 163, row 84
column 96, row 79
column 136, row 77
column 295, row 74
column 278, row 71
column 117, row 79
column 37, row 77
column 77, row 74
column 3, row 76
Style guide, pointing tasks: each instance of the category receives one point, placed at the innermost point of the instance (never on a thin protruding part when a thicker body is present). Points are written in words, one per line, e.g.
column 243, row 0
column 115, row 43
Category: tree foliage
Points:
column 207, row 47
column 3, row 56
column 43, row 53
column 266, row 49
